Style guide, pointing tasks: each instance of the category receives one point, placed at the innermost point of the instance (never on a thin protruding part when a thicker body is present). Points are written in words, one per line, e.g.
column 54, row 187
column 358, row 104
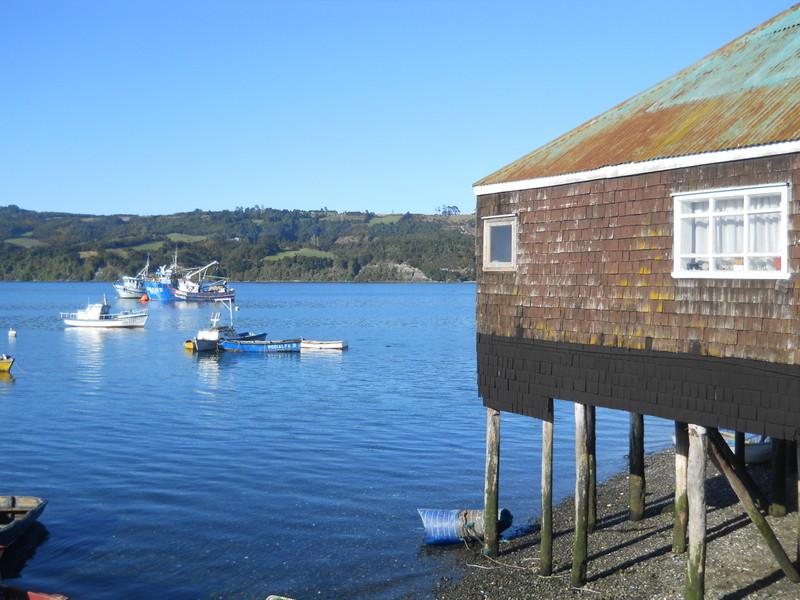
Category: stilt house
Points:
column 648, row 261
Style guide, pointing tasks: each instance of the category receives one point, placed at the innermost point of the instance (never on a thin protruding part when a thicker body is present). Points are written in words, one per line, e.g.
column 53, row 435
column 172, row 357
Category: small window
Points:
column 500, row 243
column 740, row 233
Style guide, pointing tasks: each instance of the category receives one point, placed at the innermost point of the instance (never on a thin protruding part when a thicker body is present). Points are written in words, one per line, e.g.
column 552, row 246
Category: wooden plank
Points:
column 681, row 512
column 696, row 492
column 723, row 459
column 636, row 464
column 580, row 542
column 546, row 529
column 491, row 539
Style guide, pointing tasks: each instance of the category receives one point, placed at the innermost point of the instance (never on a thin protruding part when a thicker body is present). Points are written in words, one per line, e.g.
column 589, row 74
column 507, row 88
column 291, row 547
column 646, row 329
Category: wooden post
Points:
column 591, row 450
column 681, row 513
column 696, row 492
column 738, row 445
column 636, row 460
column 491, row 539
column 723, row 460
column 580, row 543
column 546, row 530
column 777, row 506
column 797, row 548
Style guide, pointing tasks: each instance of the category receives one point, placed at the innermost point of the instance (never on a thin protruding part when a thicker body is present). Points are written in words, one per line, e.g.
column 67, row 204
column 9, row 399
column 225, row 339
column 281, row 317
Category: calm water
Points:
column 176, row 475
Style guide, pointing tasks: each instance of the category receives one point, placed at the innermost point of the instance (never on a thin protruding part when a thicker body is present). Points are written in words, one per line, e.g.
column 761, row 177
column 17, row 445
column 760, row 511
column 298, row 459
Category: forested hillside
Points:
column 251, row 244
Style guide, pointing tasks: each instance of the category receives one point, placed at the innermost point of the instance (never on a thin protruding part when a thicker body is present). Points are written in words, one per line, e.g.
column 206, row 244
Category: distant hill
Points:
column 251, row 244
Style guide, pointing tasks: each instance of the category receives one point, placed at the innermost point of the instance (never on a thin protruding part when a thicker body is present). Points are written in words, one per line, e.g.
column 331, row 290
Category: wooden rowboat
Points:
column 322, row 345
column 17, row 514
column 8, row 592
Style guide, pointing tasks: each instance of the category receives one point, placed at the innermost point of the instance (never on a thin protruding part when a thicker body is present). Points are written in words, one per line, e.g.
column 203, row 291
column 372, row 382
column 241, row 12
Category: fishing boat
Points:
column 208, row 339
column 17, row 514
column 161, row 285
column 199, row 286
column 99, row 315
column 133, row 286
column 5, row 363
column 322, row 345
column 260, row 346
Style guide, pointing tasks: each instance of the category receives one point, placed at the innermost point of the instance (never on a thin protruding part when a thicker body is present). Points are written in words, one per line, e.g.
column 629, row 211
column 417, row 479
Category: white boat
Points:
column 322, row 345
column 757, row 448
column 208, row 339
column 99, row 315
column 133, row 286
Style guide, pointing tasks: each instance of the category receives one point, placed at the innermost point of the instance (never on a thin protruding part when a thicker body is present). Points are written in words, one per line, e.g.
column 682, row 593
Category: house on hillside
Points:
column 647, row 260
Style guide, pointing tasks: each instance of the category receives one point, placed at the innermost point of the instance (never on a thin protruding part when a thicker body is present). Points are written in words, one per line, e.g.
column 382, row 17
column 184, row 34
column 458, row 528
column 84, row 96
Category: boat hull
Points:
column 119, row 321
column 17, row 514
column 5, row 363
column 159, row 290
column 322, row 345
column 127, row 293
column 202, row 296
column 260, row 346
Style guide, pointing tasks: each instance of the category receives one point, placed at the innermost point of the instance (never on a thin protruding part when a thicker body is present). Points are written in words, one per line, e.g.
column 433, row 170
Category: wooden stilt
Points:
column 723, row 460
column 696, row 492
column 797, row 548
column 580, row 543
column 546, row 533
column 681, row 515
column 636, row 459
column 777, row 506
column 591, row 450
column 491, row 539
column 738, row 445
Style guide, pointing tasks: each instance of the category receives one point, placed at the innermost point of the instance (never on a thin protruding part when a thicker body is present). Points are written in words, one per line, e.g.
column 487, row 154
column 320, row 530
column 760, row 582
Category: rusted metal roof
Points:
column 745, row 94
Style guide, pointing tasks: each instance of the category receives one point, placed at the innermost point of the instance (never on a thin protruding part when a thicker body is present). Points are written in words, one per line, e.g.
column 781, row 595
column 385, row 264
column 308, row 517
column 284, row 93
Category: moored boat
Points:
column 322, row 345
column 198, row 286
column 17, row 514
column 99, row 315
column 5, row 363
column 261, row 346
column 208, row 339
column 133, row 286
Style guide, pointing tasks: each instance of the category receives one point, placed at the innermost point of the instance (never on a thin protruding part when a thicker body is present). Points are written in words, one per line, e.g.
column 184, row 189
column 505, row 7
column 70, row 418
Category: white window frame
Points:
column 710, row 262
column 489, row 223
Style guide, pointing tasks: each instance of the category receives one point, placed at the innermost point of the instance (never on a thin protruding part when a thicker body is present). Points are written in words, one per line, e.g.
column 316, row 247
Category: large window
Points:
column 500, row 243
column 736, row 233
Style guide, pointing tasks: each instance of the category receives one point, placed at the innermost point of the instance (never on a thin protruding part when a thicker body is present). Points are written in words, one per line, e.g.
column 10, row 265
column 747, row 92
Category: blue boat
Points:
column 260, row 346
column 193, row 285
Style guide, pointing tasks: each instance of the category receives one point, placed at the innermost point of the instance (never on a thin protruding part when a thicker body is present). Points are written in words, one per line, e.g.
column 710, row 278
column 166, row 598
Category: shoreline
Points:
column 634, row 560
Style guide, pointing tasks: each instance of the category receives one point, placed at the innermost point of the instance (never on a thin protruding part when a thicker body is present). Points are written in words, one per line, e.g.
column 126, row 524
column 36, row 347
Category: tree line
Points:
column 251, row 244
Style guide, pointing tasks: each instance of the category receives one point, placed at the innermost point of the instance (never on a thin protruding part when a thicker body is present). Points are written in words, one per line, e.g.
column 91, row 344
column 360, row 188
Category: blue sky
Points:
column 163, row 106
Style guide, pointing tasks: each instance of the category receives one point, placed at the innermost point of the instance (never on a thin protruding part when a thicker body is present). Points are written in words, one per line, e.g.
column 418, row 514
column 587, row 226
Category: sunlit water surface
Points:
column 175, row 475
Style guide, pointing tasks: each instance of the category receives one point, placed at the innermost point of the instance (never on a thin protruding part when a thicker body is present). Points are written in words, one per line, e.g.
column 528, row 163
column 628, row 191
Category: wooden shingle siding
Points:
column 593, row 284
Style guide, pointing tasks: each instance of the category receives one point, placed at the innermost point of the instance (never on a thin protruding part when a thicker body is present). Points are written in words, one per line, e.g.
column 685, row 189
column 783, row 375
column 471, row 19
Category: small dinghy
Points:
column 450, row 526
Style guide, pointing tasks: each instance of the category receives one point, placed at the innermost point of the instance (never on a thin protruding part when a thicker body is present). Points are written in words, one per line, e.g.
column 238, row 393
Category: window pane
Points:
column 764, row 230
column 694, row 236
column 729, row 205
column 694, row 207
column 768, row 201
column 500, row 243
column 728, row 235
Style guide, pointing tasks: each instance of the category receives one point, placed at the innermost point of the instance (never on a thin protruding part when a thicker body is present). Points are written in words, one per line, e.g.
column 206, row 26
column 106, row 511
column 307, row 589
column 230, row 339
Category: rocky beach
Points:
column 634, row 560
